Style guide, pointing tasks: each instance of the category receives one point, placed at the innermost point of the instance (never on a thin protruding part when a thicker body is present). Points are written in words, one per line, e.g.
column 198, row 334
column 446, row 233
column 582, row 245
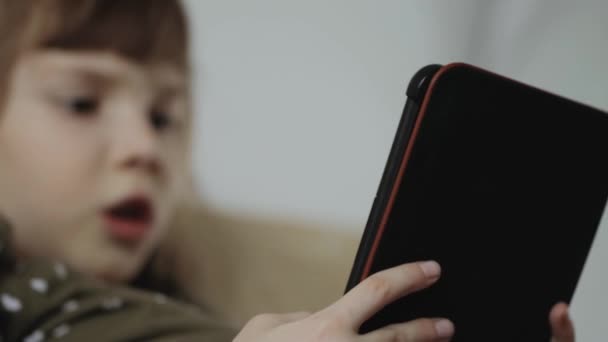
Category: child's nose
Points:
column 138, row 148
column 144, row 162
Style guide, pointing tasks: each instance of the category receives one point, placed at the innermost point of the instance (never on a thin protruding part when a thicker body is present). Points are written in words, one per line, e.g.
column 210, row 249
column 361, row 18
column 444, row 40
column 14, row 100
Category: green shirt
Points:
column 44, row 301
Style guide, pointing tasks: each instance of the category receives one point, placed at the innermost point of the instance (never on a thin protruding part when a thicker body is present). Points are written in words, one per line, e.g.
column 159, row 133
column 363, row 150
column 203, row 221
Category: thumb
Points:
column 561, row 324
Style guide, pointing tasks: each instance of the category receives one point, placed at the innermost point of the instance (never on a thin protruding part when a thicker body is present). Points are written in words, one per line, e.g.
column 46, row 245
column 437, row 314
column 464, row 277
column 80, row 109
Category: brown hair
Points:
column 141, row 30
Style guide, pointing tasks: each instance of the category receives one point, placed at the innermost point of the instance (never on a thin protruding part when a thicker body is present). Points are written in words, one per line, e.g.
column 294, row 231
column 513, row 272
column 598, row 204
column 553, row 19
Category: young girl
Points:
column 94, row 140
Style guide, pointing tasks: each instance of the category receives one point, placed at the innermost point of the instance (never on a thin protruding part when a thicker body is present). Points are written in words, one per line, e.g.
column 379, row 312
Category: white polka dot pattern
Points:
column 60, row 270
column 112, row 303
column 61, row 331
column 10, row 303
column 70, row 306
column 39, row 285
column 36, row 336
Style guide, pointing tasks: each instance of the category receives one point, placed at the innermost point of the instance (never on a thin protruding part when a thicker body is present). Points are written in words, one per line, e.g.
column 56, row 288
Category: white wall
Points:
column 298, row 100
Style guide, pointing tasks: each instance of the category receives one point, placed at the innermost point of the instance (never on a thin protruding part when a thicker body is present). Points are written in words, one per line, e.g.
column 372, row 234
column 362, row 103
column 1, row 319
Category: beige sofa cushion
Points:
column 242, row 266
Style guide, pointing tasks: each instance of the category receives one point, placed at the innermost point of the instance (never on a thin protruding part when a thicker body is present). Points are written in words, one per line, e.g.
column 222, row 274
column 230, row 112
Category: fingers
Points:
column 382, row 288
column 561, row 324
column 420, row 330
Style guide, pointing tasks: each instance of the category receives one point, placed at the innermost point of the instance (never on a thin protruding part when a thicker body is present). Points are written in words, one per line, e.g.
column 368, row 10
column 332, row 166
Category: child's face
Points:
column 92, row 148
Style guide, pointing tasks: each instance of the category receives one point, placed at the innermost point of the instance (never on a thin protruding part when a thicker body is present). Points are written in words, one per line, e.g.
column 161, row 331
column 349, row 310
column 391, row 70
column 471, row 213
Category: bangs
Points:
column 141, row 30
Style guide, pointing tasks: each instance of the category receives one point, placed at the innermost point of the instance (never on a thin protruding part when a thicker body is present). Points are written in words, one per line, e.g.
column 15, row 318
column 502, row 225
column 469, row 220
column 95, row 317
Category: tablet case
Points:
column 503, row 184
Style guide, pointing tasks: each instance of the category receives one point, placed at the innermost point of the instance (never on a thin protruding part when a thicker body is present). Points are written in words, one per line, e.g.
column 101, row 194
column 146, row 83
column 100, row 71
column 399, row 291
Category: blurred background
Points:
column 298, row 101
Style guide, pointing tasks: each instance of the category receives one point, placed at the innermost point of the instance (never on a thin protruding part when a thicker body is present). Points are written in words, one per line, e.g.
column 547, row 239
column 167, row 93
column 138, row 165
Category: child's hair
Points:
column 141, row 30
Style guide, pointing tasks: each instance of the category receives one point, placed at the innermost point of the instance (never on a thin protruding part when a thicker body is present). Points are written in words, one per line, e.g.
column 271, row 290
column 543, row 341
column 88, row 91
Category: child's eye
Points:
column 159, row 120
column 83, row 106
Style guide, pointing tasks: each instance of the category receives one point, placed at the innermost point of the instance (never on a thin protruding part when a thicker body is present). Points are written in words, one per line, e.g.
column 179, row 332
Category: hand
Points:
column 561, row 324
column 341, row 320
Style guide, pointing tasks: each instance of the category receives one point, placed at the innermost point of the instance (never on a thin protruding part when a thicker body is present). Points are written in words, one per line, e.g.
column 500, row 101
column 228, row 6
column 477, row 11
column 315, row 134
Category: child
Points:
column 94, row 140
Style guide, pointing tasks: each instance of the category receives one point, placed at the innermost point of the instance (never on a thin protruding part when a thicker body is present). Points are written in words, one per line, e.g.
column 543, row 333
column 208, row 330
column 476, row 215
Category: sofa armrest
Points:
column 241, row 266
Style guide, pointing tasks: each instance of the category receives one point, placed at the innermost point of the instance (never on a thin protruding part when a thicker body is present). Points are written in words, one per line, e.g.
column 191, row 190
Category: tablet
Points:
column 504, row 185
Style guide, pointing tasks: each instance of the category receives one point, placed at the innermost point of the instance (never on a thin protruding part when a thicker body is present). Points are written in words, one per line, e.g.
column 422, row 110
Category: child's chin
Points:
column 122, row 265
column 110, row 261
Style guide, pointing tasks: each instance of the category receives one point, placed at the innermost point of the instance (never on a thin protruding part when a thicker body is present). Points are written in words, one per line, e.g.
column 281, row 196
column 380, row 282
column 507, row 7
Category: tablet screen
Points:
column 505, row 187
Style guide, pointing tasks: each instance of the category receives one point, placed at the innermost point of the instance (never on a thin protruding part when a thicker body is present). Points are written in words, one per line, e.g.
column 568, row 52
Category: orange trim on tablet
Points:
column 408, row 152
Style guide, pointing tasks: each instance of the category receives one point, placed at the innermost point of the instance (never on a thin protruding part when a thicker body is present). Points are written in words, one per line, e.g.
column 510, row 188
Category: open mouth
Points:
column 135, row 209
column 129, row 220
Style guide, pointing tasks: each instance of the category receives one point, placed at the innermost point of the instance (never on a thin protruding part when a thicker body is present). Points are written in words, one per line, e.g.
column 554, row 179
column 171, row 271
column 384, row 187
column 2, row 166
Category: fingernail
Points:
column 444, row 328
column 431, row 269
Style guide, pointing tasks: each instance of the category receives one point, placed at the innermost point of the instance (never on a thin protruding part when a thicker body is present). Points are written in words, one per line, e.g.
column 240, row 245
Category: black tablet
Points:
column 504, row 185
